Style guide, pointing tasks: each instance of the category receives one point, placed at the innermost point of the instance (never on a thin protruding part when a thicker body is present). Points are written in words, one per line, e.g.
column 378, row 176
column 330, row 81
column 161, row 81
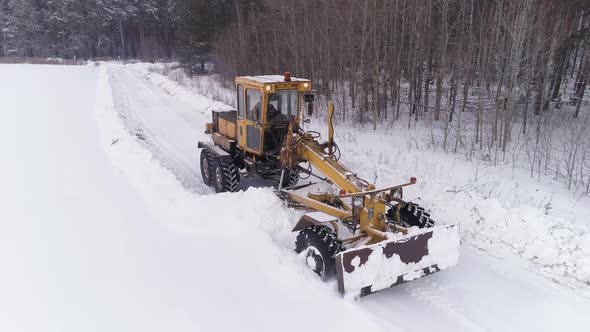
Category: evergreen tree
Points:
column 19, row 23
column 199, row 21
column 88, row 29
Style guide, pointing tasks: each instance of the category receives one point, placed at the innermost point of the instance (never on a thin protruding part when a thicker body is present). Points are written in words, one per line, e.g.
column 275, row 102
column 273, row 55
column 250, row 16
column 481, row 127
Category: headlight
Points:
column 358, row 201
column 307, row 86
column 269, row 88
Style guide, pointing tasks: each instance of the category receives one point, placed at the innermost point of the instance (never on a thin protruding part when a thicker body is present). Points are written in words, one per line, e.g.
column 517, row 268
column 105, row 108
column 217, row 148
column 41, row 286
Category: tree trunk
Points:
column 122, row 39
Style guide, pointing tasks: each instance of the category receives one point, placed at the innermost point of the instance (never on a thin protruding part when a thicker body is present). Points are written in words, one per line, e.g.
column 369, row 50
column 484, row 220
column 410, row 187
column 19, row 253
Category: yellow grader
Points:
column 370, row 238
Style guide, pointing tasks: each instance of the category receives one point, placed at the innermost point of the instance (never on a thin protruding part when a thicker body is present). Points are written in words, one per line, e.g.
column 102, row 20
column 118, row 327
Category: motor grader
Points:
column 370, row 238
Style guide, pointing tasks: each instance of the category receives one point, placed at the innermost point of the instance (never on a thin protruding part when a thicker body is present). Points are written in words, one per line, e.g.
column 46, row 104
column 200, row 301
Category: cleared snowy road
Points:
column 96, row 235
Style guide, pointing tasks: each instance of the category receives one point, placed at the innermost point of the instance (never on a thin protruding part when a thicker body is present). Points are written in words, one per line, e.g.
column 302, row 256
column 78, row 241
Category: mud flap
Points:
column 368, row 269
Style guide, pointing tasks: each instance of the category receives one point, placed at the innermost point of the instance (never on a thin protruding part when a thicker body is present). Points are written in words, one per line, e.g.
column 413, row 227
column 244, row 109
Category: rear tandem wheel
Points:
column 206, row 163
column 225, row 176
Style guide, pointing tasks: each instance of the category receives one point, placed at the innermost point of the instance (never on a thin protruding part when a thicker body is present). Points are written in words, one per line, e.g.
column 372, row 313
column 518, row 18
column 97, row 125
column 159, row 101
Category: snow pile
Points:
column 204, row 85
column 556, row 247
column 496, row 221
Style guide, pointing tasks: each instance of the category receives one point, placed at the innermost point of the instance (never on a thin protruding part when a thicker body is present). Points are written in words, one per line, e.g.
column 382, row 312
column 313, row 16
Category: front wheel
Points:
column 320, row 245
column 290, row 178
column 411, row 215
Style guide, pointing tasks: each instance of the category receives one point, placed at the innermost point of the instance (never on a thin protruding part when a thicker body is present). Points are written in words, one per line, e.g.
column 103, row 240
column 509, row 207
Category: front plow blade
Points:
column 371, row 268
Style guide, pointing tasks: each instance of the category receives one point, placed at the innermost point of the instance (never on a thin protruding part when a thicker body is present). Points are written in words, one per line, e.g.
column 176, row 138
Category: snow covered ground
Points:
column 105, row 226
column 500, row 208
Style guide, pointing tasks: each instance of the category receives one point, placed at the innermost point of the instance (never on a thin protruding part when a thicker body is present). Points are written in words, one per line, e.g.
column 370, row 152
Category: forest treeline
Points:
column 120, row 29
column 88, row 29
column 495, row 80
column 369, row 50
column 489, row 76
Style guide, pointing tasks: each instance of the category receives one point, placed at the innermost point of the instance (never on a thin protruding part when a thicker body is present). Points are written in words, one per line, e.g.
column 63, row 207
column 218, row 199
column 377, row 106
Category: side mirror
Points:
column 309, row 98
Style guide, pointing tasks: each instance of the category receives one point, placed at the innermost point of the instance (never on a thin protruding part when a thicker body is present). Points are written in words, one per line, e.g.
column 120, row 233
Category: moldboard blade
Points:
column 368, row 269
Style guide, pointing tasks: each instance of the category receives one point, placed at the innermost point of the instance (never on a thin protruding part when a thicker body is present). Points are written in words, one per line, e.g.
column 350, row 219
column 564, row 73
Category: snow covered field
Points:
column 106, row 226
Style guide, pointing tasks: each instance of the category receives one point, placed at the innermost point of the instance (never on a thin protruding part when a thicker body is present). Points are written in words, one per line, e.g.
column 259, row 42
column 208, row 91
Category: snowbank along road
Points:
column 106, row 226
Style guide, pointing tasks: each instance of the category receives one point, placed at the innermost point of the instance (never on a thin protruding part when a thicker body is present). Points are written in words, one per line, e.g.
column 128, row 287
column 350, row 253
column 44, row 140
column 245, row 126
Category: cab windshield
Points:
column 282, row 105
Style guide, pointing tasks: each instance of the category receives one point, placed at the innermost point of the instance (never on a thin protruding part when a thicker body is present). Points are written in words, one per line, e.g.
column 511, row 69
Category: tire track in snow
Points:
column 143, row 116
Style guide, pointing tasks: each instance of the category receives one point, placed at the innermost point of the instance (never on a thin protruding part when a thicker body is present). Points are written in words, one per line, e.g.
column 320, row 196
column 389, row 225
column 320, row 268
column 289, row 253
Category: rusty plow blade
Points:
column 368, row 269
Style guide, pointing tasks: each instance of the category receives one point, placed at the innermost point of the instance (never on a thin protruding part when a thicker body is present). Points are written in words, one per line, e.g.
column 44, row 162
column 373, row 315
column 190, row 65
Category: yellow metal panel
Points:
column 319, row 206
column 209, row 128
column 332, row 169
column 227, row 128
column 222, row 141
column 241, row 133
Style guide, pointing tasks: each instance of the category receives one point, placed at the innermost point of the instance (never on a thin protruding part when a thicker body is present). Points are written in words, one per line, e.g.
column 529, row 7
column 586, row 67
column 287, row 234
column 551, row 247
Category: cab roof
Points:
column 265, row 79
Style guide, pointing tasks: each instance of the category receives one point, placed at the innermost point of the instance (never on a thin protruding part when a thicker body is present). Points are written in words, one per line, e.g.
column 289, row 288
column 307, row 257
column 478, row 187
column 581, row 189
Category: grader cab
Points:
column 370, row 238
column 250, row 138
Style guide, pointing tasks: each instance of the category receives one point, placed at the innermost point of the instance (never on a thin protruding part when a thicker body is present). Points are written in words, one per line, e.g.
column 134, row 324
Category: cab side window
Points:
column 241, row 101
column 253, row 104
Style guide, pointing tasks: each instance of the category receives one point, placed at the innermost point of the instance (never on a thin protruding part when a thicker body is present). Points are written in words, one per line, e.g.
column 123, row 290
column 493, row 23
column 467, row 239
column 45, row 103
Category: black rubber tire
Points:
column 414, row 215
column 225, row 177
column 206, row 167
column 293, row 178
column 290, row 178
column 322, row 245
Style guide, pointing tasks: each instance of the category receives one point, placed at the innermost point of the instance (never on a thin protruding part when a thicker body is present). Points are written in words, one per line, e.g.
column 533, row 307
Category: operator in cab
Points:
column 281, row 105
